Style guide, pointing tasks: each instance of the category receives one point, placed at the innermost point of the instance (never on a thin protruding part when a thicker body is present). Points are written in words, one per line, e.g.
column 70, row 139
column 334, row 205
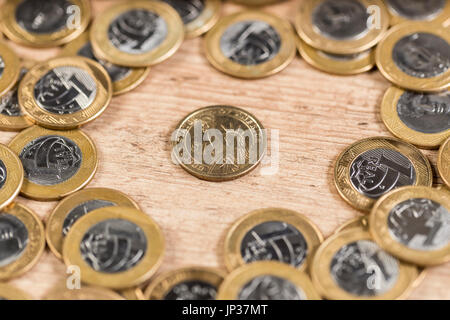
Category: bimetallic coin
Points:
column 11, row 176
column 123, row 79
column 8, row 292
column 55, row 163
column 190, row 283
column 348, row 64
column 65, row 93
column 350, row 265
column 437, row 11
column 422, row 119
column 443, row 163
column 61, row 292
column 198, row 15
column 137, row 34
column 22, row 240
column 115, row 247
column 42, row 23
column 72, row 208
column 341, row 26
column 219, row 143
column 373, row 167
column 272, row 234
column 250, row 44
column 267, row 280
column 413, row 223
column 9, row 69
column 416, row 56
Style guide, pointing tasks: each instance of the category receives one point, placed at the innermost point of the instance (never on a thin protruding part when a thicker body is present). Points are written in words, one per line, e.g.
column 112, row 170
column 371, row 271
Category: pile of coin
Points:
column 269, row 253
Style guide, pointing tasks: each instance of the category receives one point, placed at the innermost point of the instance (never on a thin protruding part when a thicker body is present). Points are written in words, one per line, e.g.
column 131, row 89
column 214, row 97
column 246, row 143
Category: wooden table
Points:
column 317, row 115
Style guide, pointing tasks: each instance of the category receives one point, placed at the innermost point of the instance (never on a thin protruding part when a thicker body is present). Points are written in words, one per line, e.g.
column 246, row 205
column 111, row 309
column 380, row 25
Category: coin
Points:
column 250, row 44
column 356, row 223
column 65, row 92
column 61, row 292
column 8, row 292
column 272, row 234
column 437, row 11
column 413, row 223
column 9, row 69
column 416, row 56
column 340, row 64
column 115, row 247
column 200, row 139
column 56, row 163
column 72, row 208
column 132, row 294
column 22, row 240
column 42, row 23
column 350, row 265
column 123, row 79
column 11, row 115
column 190, row 283
column 11, row 176
column 341, row 26
column 198, row 15
column 372, row 167
column 422, row 119
column 443, row 163
column 267, row 280
column 137, row 34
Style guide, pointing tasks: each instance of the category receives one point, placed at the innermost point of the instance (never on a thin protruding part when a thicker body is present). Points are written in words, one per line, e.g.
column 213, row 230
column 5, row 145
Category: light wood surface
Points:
column 317, row 116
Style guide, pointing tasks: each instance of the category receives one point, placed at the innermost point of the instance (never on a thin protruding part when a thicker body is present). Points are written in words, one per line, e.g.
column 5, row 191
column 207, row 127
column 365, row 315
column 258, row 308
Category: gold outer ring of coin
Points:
column 389, row 69
column 130, row 82
column 16, row 123
column 35, row 246
column 54, row 121
column 19, row 35
column 210, row 112
column 219, row 61
column 136, row 275
column 236, row 280
column 9, row 292
column 11, row 71
column 328, row 288
column 14, row 176
column 443, row 163
column 233, row 240
column 443, row 17
column 80, row 179
column 56, row 219
column 159, row 287
column 308, row 33
column 133, row 294
column 104, row 49
column 319, row 59
column 205, row 21
column 398, row 128
column 380, row 231
column 60, row 292
column 424, row 174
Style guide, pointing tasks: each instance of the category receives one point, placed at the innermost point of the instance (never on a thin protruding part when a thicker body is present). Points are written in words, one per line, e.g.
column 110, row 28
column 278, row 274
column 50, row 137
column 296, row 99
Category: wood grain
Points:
column 317, row 116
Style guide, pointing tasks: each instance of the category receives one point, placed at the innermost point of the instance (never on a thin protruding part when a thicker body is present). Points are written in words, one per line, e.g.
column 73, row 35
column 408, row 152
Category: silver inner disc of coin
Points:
column 51, row 160
column 3, row 174
column 269, row 287
column 113, row 245
column 422, row 55
column 250, row 42
column 189, row 10
column 420, row 224
column 363, row 269
column 341, row 19
column 426, row 113
column 417, row 9
column 115, row 72
column 9, row 103
column 192, row 290
column 137, row 31
column 65, row 90
column 274, row 240
column 43, row 16
column 81, row 210
column 13, row 239
column 378, row 171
